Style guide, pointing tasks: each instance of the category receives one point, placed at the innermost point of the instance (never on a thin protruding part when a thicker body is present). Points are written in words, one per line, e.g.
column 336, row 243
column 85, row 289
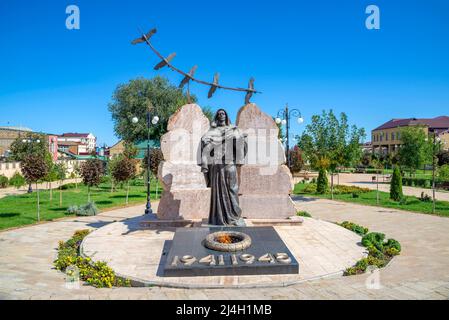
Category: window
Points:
column 392, row 136
column 386, row 136
column 398, row 135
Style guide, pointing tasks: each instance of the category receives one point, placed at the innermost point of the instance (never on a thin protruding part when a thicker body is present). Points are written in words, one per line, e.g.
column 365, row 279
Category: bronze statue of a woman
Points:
column 223, row 148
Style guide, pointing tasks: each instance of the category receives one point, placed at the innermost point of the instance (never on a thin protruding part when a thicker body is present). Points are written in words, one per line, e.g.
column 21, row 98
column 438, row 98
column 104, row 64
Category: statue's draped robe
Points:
column 222, row 149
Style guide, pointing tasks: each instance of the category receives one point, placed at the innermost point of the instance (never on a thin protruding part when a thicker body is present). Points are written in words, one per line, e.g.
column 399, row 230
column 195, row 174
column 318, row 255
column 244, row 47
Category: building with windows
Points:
column 9, row 134
column 387, row 137
column 86, row 142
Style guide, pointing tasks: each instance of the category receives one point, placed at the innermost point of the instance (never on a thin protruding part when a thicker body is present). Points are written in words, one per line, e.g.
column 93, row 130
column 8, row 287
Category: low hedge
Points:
column 97, row 274
column 380, row 251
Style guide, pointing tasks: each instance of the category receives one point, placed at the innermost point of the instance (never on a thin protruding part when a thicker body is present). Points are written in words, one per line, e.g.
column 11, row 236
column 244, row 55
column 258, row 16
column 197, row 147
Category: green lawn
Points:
column 21, row 210
column 413, row 204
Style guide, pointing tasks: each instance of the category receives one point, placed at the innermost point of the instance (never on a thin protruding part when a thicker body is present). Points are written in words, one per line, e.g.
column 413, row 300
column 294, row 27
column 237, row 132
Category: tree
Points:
column 123, row 171
column 91, row 172
column 34, row 167
column 377, row 163
column 328, row 142
column 322, row 182
column 416, row 149
column 133, row 99
column 443, row 173
column 297, row 162
column 61, row 171
column 52, row 175
column 76, row 172
column 17, row 180
column 29, row 144
column 156, row 157
column 396, row 185
column 443, row 158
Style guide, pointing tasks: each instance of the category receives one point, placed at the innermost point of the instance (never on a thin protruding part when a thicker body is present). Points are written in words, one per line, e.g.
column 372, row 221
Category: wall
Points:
column 8, row 169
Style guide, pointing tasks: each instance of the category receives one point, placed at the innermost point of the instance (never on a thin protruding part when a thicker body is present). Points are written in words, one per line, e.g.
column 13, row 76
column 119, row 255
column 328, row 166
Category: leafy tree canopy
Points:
column 31, row 143
column 329, row 142
column 416, row 149
column 133, row 100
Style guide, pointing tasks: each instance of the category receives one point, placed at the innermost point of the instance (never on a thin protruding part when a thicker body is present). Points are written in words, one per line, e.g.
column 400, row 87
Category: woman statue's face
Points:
column 221, row 116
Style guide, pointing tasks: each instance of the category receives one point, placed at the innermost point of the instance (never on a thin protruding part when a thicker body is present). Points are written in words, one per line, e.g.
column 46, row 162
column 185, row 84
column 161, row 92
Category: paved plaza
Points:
column 420, row 272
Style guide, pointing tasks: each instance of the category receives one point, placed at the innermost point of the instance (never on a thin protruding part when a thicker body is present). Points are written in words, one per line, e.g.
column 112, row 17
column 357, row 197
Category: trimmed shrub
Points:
column 303, row 214
column 396, row 185
column 322, row 183
column 3, row 181
column 354, row 227
column 68, row 186
column 17, row 180
column 375, row 239
column 88, row 209
column 310, row 188
column 342, row 189
column 393, row 244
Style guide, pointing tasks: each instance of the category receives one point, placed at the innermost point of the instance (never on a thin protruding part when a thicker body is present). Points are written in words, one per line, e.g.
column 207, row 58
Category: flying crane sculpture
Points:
column 188, row 77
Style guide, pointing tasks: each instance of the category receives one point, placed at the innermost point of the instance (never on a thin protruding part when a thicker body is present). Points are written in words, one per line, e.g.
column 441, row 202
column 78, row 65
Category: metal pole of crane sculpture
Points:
column 190, row 76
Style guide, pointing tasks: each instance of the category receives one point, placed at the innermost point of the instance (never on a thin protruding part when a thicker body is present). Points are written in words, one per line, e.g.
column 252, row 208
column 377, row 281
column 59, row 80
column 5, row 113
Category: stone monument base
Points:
column 258, row 259
column 267, row 206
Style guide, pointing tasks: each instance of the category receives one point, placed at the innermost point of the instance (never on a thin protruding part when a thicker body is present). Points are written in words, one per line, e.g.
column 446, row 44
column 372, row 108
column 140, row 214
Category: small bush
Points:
column 375, row 239
column 88, row 209
column 342, row 189
column 3, row 181
column 354, row 227
column 380, row 252
column 303, row 214
column 403, row 201
column 425, row 197
column 17, row 180
column 310, row 188
column 393, row 244
column 68, row 186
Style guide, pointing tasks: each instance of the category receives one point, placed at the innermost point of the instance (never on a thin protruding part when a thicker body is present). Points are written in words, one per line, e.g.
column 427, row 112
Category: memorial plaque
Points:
column 267, row 254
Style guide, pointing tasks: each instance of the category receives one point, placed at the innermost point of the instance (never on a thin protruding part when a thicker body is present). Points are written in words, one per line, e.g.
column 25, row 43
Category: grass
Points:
column 369, row 198
column 21, row 210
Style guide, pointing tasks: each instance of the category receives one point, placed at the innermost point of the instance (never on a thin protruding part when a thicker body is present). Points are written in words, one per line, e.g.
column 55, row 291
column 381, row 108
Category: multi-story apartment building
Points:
column 387, row 137
column 85, row 142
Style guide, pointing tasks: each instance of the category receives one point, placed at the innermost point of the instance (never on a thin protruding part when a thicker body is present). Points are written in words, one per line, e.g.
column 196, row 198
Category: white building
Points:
column 86, row 142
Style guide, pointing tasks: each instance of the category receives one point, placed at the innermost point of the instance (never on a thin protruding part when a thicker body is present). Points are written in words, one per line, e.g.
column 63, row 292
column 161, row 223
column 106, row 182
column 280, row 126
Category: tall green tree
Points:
column 133, row 100
column 329, row 142
column 416, row 148
column 31, row 143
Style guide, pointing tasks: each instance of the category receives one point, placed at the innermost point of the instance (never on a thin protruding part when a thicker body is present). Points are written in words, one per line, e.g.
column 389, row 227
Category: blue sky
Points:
column 314, row 55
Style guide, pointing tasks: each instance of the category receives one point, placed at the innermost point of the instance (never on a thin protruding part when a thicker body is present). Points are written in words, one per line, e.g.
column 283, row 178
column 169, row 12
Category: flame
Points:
column 226, row 238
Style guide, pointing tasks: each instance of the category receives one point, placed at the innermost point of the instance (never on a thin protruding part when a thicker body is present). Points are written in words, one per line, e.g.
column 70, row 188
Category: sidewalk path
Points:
column 420, row 272
column 365, row 181
column 42, row 186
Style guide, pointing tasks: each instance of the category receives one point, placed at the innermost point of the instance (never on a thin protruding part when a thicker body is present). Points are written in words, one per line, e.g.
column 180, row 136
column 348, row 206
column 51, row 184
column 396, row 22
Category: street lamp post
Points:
column 30, row 188
column 436, row 141
column 283, row 118
column 149, row 121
